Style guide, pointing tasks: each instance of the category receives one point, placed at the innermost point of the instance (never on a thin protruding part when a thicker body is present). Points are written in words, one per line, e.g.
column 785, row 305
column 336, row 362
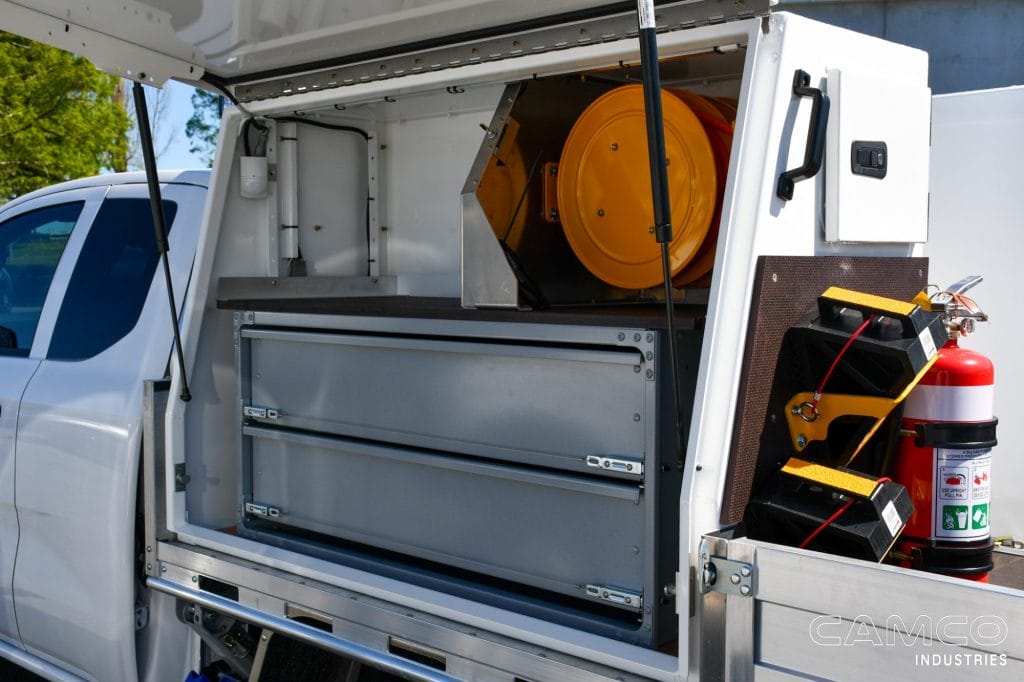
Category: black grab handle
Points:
column 814, row 152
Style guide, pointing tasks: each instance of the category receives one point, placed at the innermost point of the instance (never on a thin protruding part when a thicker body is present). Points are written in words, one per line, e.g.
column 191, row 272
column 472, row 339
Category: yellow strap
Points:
column 843, row 481
column 870, row 301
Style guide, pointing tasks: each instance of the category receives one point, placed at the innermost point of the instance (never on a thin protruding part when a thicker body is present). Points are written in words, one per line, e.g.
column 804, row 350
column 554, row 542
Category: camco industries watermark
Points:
column 932, row 639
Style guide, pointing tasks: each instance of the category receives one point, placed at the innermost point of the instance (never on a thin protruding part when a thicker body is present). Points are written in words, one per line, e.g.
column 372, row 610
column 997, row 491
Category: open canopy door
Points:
column 231, row 42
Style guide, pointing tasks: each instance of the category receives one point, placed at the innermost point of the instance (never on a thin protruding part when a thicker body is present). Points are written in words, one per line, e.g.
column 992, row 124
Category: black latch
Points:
column 181, row 479
column 869, row 158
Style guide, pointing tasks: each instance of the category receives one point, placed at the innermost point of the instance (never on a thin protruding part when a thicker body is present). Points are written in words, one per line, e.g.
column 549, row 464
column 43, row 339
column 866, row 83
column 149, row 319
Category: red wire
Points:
column 839, row 357
column 828, row 522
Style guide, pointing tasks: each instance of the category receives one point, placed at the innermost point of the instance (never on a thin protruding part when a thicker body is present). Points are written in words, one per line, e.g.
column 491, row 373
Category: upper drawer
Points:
column 546, row 405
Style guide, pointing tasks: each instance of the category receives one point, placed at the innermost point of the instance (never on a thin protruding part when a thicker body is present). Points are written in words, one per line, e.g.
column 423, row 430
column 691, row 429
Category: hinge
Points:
column 262, row 510
column 617, row 465
column 181, row 478
column 617, row 596
column 728, row 577
column 253, row 412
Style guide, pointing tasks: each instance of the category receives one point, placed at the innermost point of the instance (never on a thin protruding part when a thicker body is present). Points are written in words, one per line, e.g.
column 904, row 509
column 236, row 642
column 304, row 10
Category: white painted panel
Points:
column 332, row 201
column 975, row 222
column 426, row 164
column 871, row 107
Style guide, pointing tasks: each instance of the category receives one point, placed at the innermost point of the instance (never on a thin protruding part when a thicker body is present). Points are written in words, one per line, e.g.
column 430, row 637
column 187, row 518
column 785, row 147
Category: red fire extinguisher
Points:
column 945, row 454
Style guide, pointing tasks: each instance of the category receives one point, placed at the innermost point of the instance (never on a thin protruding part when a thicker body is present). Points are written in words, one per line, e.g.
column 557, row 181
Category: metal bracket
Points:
column 263, row 510
column 253, row 412
column 617, row 465
column 644, row 342
column 616, row 596
column 728, row 577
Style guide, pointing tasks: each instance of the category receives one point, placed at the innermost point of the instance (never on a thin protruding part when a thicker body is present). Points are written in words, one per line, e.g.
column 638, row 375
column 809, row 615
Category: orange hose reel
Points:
column 604, row 187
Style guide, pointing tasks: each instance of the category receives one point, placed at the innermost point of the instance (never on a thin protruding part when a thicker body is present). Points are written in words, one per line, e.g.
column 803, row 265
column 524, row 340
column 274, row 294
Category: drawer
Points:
column 552, row 531
column 526, row 403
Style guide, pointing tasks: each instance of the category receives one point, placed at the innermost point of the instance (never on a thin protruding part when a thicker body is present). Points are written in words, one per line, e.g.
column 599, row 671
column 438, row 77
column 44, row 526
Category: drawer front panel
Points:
column 552, row 531
column 531, row 404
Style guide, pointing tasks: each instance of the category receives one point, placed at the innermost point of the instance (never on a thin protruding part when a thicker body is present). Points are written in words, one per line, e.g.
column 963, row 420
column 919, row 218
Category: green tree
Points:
column 60, row 117
column 204, row 125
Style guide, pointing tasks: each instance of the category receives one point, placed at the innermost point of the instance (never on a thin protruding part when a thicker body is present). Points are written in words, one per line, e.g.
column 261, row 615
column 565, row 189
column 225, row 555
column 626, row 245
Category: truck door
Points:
column 34, row 235
column 80, row 434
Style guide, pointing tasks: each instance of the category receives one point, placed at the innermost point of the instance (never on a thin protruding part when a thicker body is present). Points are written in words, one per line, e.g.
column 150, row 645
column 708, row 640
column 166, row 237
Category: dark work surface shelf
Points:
column 648, row 316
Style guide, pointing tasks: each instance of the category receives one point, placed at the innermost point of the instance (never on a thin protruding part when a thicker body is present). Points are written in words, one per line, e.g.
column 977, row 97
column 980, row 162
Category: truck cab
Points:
column 83, row 328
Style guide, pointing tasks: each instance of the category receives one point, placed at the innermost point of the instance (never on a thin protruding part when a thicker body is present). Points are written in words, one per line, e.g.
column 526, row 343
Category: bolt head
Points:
column 745, row 571
column 801, row 440
column 650, row 374
column 735, row 578
column 745, row 590
column 622, row 336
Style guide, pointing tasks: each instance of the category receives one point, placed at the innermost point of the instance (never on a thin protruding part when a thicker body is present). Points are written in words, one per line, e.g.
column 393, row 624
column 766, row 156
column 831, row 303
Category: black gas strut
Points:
column 159, row 226
column 659, row 188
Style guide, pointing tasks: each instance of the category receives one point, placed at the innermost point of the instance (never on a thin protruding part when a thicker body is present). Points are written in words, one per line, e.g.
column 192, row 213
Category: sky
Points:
column 179, row 110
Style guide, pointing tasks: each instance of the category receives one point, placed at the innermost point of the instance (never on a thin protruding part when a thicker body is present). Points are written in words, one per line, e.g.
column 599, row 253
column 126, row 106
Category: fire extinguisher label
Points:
column 961, row 494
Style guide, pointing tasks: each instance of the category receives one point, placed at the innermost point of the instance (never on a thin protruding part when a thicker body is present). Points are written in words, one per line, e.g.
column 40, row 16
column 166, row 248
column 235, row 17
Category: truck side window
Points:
column 31, row 245
column 111, row 279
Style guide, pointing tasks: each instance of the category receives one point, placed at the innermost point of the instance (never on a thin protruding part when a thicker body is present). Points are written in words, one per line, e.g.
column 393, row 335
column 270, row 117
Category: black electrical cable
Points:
column 221, row 86
column 264, row 130
column 321, row 124
column 159, row 226
column 245, row 136
column 659, row 191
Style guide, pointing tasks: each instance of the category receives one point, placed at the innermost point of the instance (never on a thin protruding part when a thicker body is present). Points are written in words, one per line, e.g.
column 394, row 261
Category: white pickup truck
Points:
column 439, row 424
column 85, row 324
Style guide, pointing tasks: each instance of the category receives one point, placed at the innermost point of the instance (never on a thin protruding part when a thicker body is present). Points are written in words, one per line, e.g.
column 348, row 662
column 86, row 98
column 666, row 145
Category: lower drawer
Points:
column 552, row 531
